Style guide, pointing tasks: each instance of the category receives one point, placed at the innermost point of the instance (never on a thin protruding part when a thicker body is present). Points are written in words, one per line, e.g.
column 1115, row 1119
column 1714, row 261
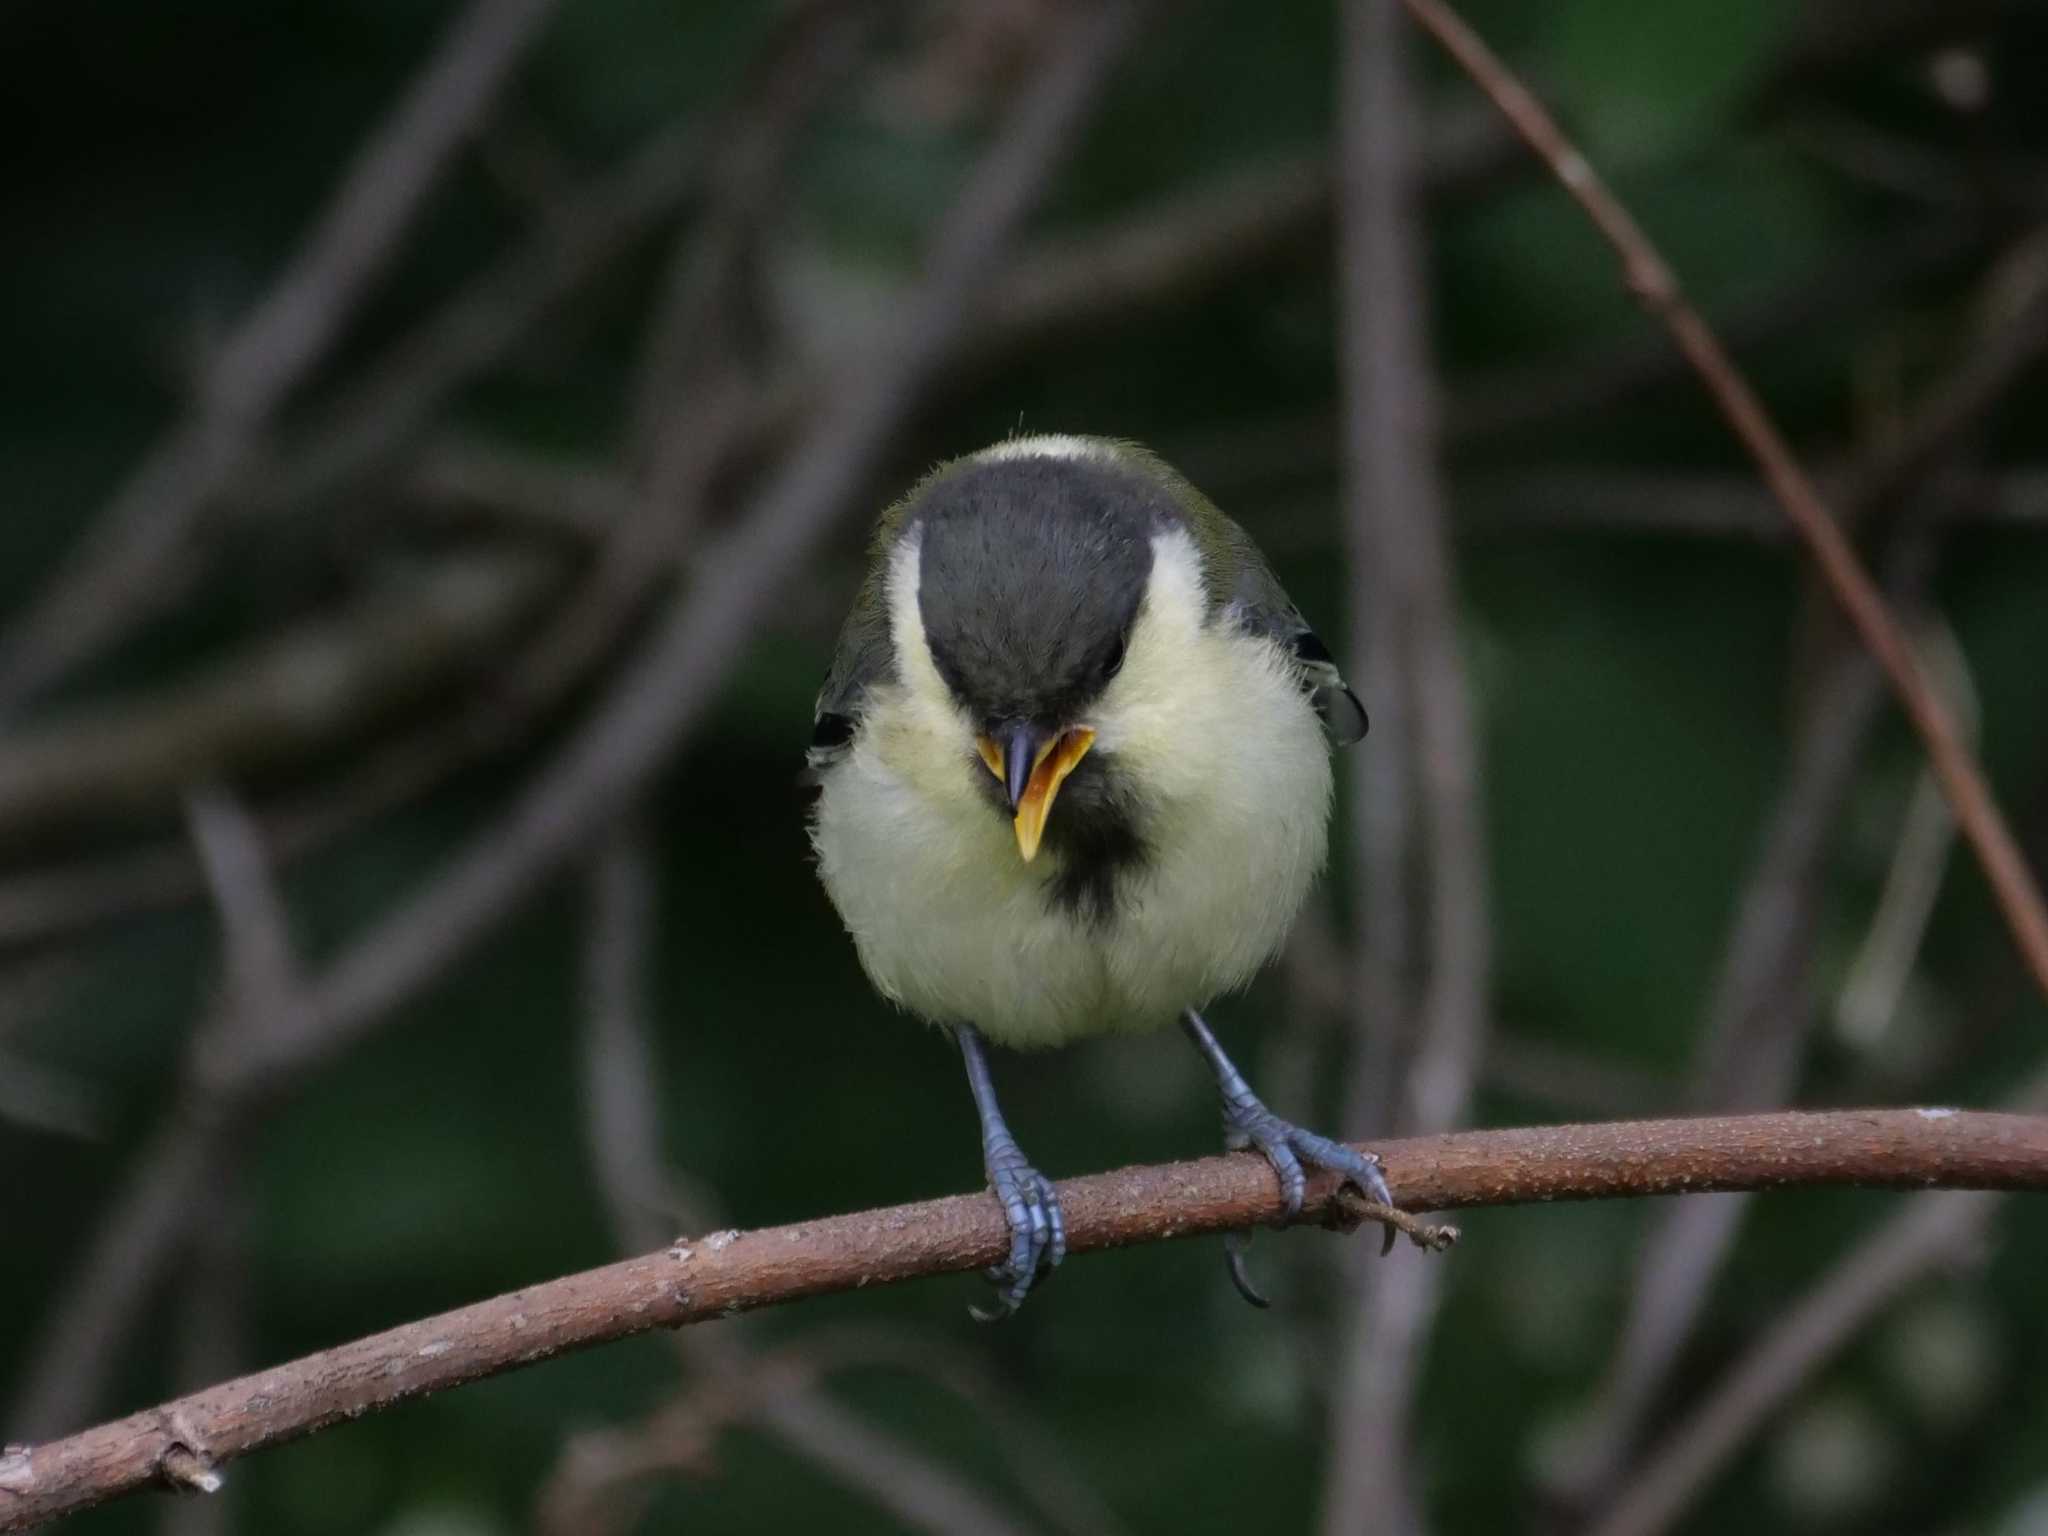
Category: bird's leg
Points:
column 1248, row 1123
column 1038, row 1228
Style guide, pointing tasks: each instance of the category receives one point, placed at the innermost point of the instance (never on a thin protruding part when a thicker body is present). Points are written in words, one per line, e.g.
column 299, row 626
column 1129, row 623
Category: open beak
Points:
column 1032, row 763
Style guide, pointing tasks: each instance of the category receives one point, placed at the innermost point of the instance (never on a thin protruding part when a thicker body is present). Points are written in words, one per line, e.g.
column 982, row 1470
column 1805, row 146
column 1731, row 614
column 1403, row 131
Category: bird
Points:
column 1072, row 772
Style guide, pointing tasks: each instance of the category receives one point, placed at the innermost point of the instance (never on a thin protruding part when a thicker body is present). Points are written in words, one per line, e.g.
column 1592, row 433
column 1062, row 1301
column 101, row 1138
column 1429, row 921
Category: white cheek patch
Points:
column 906, row 623
column 1168, row 663
column 930, row 701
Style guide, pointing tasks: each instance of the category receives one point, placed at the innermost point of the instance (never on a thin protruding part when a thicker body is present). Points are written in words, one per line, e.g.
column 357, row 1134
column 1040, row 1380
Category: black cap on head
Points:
column 1031, row 572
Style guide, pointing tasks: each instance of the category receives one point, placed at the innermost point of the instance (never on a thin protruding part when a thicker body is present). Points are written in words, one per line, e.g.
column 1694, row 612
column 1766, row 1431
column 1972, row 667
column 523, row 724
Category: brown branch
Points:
column 130, row 558
column 701, row 1279
column 1654, row 284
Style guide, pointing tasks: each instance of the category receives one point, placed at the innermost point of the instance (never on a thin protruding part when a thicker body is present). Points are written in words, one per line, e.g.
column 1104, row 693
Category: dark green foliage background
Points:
column 1635, row 690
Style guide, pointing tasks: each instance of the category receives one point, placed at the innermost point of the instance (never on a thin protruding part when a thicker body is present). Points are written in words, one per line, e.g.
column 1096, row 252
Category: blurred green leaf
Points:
column 1646, row 83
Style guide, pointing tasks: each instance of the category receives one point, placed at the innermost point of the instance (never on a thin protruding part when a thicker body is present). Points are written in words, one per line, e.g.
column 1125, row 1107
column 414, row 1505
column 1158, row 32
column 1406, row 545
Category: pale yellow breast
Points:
column 951, row 923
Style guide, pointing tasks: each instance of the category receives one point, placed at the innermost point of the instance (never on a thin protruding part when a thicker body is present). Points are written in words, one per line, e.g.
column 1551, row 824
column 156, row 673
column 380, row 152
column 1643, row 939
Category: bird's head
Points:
column 1031, row 574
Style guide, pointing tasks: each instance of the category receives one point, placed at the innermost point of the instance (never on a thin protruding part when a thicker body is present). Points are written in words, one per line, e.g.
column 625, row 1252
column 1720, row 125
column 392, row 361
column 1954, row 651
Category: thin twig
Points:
column 714, row 1276
column 128, row 561
column 1753, row 1042
column 1652, row 281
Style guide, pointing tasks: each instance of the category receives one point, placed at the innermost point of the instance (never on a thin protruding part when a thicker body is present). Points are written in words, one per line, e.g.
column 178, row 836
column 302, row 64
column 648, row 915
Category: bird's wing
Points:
column 863, row 656
column 1261, row 607
column 1248, row 591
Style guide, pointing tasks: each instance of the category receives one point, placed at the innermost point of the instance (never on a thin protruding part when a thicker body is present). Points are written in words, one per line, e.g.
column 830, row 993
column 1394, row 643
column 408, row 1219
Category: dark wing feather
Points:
column 864, row 656
column 861, row 658
column 1343, row 716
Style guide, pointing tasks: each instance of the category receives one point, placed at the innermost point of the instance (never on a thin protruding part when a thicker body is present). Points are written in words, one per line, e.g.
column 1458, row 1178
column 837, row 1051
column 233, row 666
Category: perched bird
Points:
column 1073, row 778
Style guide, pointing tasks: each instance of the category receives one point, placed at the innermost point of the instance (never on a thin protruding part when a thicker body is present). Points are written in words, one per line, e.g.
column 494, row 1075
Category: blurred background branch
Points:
column 134, row 553
column 1421, row 1025
column 436, row 451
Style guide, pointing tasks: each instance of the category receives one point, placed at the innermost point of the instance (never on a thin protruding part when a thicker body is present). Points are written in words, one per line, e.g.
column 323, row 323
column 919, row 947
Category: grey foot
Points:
column 1038, row 1230
column 1286, row 1146
column 1248, row 1123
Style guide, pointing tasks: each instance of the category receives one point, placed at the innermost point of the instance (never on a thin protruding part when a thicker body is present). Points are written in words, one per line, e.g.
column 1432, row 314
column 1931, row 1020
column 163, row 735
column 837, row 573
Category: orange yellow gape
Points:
column 1055, row 760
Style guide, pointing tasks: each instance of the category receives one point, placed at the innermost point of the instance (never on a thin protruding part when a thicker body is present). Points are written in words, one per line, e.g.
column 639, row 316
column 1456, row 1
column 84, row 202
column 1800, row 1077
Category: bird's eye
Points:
column 1114, row 662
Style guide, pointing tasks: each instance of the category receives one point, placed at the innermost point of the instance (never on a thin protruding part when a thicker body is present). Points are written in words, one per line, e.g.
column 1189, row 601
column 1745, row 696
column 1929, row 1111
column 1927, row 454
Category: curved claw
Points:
column 1235, row 1246
column 1248, row 1123
column 1038, row 1236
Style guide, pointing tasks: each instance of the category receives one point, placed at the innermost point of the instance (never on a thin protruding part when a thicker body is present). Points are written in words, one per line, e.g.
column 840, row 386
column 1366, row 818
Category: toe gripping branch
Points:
column 1287, row 1147
column 1038, row 1227
column 1031, row 1206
